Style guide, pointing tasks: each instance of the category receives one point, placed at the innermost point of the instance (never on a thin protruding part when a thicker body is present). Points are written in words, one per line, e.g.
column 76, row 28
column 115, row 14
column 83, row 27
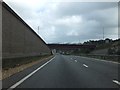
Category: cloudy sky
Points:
column 69, row 22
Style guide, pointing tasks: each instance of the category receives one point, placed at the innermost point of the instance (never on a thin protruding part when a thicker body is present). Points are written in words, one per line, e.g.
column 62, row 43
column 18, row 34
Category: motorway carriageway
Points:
column 67, row 71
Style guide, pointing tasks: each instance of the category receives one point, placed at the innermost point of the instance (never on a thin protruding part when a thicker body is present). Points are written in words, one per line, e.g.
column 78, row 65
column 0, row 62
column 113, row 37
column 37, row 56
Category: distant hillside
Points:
column 110, row 48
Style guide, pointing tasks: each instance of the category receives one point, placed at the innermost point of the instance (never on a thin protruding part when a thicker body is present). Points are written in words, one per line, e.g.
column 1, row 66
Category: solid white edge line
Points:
column 85, row 65
column 115, row 81
column 22, row 80
column 100, row 60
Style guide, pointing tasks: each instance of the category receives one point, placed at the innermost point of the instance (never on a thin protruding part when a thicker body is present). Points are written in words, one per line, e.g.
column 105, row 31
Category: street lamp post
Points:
column 103, row 33
column 38, row 29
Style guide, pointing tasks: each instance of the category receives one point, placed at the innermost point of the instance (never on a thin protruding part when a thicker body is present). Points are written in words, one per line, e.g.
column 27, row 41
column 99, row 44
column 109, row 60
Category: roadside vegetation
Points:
column 14, row 62
column 114, row 58
column 14, row 66
column 107, row 49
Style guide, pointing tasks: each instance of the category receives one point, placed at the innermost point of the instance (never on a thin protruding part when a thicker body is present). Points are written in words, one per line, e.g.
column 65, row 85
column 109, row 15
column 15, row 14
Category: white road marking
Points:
column 75, row 60
column 22, row 80
column 115, row 81
column 85, row 65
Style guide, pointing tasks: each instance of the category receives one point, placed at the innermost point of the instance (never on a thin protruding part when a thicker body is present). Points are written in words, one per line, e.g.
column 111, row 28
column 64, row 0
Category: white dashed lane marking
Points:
column 75, row 60
column 85, row 65
column 115, row 81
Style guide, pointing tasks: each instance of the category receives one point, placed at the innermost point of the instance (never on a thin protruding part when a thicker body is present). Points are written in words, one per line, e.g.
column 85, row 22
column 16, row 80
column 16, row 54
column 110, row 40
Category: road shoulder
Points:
column 21, row 72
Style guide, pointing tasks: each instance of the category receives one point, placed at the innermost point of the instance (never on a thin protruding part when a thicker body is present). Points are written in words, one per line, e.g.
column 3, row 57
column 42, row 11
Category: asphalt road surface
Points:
column 72, row 72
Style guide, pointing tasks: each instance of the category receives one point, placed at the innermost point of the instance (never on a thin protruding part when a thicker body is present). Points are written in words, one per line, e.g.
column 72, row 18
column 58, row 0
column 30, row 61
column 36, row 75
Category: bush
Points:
column 118, row 52
column 111, row 51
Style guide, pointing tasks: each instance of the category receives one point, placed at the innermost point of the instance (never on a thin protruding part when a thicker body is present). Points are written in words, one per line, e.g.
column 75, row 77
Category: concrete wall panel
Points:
column 19, row 40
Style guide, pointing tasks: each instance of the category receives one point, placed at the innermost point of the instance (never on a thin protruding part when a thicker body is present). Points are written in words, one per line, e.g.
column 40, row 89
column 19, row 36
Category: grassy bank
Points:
column 14, row 62
column 24, row 63
column 115, row 58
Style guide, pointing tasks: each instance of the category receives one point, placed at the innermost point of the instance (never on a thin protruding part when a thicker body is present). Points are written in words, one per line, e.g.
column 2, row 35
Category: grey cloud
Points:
column 73, row 8
column 58, row 23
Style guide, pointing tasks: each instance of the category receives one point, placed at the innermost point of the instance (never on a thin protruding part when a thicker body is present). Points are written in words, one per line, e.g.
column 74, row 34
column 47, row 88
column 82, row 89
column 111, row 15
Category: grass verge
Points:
column 114, row 58
column 17, row 66
column 14, row 62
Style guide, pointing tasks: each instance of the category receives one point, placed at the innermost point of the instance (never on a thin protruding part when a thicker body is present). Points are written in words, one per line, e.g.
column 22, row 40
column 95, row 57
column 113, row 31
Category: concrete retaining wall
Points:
column 18, row 39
